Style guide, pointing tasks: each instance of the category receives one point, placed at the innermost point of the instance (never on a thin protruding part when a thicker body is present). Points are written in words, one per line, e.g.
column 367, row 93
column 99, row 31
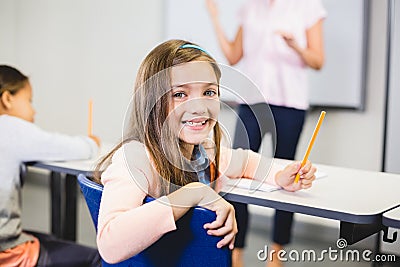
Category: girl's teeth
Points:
column 190, row 123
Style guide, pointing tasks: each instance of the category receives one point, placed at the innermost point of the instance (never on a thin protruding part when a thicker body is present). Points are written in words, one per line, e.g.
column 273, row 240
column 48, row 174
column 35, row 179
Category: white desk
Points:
column 357, row 198
column 64, row 195
column 392, row 218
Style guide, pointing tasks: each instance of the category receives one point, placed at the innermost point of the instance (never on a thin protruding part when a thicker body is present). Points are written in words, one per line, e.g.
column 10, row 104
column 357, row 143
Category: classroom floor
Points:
column 36, row 217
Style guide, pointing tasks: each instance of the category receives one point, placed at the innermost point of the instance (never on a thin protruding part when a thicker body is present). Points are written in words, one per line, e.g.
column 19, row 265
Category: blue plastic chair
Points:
column 189, row 245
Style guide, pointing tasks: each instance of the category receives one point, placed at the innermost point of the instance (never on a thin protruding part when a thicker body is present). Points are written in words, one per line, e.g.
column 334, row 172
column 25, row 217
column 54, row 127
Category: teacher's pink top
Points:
column 277, row 70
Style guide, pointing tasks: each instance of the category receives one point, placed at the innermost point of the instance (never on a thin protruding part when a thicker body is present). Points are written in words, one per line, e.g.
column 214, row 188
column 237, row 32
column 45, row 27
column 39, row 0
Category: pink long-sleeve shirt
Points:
column 126, row 226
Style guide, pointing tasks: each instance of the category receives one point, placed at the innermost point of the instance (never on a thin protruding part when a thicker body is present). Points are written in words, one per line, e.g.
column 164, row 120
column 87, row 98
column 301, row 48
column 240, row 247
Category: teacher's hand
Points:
column 212, row 8
column 289, row 39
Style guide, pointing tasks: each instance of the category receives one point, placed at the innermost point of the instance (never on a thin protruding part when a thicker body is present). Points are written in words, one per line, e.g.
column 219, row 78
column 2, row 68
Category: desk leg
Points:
column 55, row 184
column 377, row 248
column 354, row 232
column 70, row 207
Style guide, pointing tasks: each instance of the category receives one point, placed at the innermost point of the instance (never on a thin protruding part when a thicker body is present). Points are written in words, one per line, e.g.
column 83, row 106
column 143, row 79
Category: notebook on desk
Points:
column 260, row 186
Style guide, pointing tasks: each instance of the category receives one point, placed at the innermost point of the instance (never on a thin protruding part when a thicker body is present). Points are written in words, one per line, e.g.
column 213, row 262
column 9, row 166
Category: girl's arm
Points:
column 34, row 144
column 198, row 194
column 233, row 50
column 127, row 226
column 238, row 163
column 313, row 54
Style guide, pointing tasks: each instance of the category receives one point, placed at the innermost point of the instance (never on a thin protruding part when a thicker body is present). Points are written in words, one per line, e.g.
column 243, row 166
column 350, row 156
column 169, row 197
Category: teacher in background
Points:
column 276, row 42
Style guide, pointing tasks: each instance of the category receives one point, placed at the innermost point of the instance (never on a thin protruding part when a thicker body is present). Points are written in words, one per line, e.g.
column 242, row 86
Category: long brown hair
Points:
column 150, row 110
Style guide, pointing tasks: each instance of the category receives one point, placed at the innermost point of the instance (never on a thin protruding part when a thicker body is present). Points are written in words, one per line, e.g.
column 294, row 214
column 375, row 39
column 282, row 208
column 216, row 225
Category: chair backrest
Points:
column 189, row 245
column 92, row 192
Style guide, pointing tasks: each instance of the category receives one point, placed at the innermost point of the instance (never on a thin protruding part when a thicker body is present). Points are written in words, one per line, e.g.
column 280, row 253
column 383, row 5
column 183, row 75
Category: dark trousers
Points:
column 285, row 125
column 60, row 253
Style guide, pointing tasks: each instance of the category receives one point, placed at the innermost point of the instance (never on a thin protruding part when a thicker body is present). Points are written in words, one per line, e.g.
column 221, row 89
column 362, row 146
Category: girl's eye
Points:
column 179, row 95
column 210, row 93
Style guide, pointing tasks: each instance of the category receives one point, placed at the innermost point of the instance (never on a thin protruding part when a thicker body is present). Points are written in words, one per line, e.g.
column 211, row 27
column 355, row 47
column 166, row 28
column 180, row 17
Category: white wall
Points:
column 76, row 50
column 7, row 31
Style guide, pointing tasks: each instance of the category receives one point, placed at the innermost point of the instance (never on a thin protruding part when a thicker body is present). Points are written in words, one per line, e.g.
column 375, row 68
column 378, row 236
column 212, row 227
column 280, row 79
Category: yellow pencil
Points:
column 90, row 119
column 310, row 145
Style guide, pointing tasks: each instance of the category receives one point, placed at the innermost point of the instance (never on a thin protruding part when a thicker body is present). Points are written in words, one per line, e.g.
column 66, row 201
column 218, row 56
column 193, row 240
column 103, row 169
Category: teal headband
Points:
column 195, row 47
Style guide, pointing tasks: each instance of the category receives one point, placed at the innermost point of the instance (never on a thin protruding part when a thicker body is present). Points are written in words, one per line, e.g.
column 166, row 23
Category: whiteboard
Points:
column 341, row 82
column 392, row 131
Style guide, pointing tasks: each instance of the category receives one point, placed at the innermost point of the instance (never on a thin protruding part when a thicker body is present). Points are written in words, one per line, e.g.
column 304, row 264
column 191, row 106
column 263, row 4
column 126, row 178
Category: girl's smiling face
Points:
column 194, row 104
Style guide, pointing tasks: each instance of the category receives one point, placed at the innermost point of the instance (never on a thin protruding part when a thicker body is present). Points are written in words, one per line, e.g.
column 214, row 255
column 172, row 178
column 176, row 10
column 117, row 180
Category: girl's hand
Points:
column 286, row 177
column 95, row 139
column 225, row 223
